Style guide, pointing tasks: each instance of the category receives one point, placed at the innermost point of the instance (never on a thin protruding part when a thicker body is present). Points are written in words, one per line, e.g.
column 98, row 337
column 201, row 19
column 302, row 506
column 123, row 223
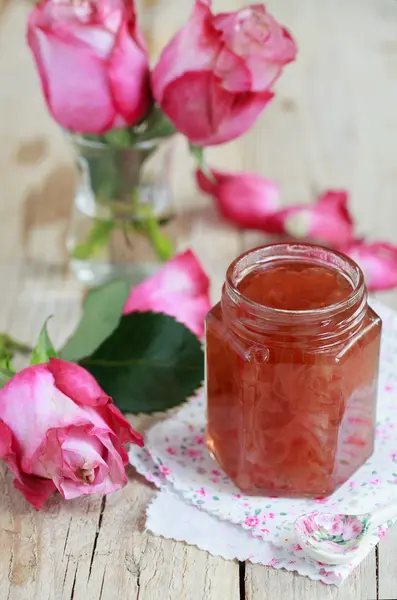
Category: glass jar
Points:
column 292, row 353
column 122, row 209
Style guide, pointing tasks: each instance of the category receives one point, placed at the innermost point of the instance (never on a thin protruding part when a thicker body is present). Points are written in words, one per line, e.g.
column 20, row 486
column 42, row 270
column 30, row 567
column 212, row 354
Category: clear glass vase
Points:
column 121, row 210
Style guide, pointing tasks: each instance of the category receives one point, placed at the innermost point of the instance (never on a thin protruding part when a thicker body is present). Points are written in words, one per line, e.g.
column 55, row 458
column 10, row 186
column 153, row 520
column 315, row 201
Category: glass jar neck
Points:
column 329, row 325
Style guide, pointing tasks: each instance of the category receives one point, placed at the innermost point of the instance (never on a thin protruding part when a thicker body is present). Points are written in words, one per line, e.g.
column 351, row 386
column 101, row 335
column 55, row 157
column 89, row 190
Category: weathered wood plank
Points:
column 262, row 583
column 127, row 558
column 388, row 565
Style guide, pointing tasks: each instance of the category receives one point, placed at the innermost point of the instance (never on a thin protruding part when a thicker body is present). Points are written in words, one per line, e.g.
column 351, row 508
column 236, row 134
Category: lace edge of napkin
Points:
column 153, row 528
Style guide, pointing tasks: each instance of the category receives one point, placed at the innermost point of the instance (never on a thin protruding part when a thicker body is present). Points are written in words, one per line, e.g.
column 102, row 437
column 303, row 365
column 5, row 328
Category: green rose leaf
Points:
column 102, row 312
column 119, row 138
column 157, row 125
column 5, row 375
column 44, row 350
column 6, row 363
column 150, row 363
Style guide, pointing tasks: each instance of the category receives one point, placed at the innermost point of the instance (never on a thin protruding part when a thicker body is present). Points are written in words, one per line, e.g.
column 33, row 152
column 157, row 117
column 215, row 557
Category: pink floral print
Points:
column 252, row 521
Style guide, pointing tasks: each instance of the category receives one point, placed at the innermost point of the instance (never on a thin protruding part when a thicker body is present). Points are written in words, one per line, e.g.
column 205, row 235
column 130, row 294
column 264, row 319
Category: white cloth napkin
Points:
column 259, row 529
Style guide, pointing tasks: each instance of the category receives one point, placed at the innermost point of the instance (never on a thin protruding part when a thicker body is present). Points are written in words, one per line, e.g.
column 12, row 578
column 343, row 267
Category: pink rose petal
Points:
column 127, row 66
column 194, row 48
column 76, row 382
column 179, row 289
column 35, row 490
column 327, row 220
column 378, row 260
column 245, row 199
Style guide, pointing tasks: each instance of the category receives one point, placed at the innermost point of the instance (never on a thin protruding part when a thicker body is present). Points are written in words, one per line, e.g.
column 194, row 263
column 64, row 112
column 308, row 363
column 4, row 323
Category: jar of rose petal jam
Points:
column 292, row 356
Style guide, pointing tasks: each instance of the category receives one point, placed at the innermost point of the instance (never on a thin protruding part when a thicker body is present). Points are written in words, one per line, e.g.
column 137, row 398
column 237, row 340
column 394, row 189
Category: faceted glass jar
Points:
column 291, row 394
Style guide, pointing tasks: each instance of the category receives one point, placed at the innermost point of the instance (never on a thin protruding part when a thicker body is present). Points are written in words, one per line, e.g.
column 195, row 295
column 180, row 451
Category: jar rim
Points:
column 297, row 250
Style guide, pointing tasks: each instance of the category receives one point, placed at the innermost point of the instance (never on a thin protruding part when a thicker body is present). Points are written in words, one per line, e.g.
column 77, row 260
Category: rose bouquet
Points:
column 210, row 83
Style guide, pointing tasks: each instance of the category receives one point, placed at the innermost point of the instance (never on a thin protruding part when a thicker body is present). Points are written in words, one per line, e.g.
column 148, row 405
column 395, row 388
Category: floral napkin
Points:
column 258, row 528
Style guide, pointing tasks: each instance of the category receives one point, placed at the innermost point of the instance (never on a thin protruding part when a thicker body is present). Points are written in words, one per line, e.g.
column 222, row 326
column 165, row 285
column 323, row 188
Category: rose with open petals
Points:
column 378, row 260
column 244, row 199
column 214, row 77
column 179, row 289
column 92, row 62
column 327, row 220
column 59, row 430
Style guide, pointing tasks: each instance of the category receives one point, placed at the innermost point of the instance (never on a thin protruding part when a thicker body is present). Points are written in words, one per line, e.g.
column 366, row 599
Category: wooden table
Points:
column 333, row 124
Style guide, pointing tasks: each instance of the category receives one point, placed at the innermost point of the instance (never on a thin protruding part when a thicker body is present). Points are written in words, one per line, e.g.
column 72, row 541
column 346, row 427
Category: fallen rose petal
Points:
column 245, row 199
column 179, row 289
column 378, row 260
column 327, row 220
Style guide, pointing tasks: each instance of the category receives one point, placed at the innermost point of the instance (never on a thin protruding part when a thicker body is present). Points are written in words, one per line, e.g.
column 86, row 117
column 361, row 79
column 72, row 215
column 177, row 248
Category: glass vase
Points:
column 121, row 210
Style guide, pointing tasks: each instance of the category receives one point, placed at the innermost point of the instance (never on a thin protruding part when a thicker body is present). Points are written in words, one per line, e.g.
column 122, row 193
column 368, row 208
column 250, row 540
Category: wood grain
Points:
column 332, row 124
column 263, row 583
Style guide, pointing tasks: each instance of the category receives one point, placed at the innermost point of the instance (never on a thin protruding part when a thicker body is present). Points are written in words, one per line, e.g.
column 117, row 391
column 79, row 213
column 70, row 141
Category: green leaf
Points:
column 6, row 362
column 118, row 138
column 5, row 375
column 101, row 314
column 157, row 125
column 150, row 363
column 97, row 239
column 44, row 350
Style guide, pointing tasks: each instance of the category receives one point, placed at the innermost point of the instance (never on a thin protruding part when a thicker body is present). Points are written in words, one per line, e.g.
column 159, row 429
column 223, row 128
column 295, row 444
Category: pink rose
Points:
column 59, row 430
column 327, row 220
column 92, row 62
column 378, row 260
column 244, row 199
column 214, row 77
column 179, row 289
